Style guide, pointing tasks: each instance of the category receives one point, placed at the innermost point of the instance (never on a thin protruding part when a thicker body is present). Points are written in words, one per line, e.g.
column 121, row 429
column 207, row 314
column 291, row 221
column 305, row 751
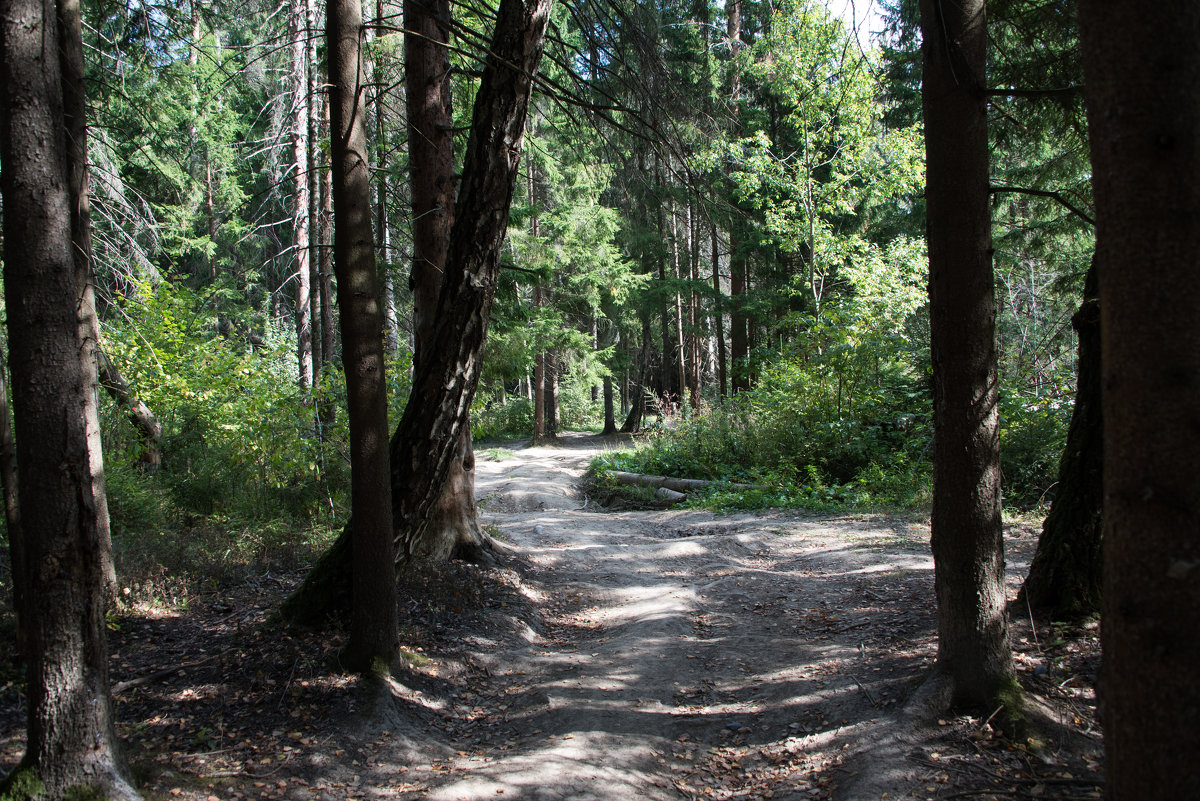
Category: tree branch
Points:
column 1056, row 196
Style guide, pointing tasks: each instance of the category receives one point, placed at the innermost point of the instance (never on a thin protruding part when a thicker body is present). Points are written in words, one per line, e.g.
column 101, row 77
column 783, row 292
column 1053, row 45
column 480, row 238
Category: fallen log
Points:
column 684, row 485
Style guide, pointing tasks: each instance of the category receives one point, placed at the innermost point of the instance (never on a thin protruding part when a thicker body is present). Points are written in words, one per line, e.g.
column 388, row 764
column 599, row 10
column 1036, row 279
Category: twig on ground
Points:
column 121, row 687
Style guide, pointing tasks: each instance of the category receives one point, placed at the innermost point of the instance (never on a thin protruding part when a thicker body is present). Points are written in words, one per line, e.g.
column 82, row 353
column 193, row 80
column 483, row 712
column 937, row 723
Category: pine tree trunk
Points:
column 72, row 745
column 75, row 116
column 974, row 665
column 610, row 420
column 12, row 507
column 1142, row 67
column 551, row 393
column 539, row 383
column 719, row 315
column 1067, row 571
column 373, row 623
column 325, row 269
column 637, row 403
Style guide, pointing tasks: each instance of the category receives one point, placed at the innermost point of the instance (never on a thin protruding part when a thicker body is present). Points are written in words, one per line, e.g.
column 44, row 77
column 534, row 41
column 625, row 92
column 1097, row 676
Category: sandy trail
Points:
column 683, row 654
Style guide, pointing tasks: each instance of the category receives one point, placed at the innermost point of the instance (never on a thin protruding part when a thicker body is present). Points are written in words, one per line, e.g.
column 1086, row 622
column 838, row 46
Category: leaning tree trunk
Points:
column 72, row 745
column 144, row 421
column 455, row 529
column 443, row 387
column 974, row 667
column 1065, row 577
column 1142, row 67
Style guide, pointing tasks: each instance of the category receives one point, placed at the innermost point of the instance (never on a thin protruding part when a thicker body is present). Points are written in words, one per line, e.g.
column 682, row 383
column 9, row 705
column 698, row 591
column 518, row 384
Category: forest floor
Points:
column 652, row 654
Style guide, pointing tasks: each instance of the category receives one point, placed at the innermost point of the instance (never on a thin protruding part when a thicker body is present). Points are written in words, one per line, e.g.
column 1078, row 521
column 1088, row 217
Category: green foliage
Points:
column 510, row 419
column 1033, row 433
column 241, row 441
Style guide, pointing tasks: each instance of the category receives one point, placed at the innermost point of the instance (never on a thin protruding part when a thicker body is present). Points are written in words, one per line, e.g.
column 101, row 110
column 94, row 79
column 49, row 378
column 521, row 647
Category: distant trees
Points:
column 72, row 745
column 1142, row 66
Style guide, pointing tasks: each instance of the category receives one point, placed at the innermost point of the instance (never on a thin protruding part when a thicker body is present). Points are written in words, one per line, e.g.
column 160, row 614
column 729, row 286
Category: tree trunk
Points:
column 431, row 165
column 313, row 176
column 552, row 411
column 444, row 383
column 739, row 351
column 75, row 117
column 373, row 642
column 149, row 429
column 974, row 664
column 383, row 228
column 1067, row 571
column 300, row 211
column 637, row 404
column 325, row 269
column 610, row 420
column 539, row 383
column 12, row 507
column 1142, row 66
column 72, row 745
column 719, row 314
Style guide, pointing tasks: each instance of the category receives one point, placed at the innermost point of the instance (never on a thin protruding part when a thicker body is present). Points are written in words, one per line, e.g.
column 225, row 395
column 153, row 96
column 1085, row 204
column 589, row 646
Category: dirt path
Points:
column 613, row 656
column 685, row 655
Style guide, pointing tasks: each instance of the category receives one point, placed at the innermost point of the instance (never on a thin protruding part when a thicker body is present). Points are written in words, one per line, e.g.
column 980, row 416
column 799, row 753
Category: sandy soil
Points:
column 618, row 655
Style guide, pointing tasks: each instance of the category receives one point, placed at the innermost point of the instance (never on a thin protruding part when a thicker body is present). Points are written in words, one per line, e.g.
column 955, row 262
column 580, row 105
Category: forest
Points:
column 599, row 399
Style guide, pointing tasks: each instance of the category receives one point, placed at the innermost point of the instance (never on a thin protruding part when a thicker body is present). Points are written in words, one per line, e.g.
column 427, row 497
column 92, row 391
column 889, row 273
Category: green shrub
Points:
column 509, row 420
column 1033, row 433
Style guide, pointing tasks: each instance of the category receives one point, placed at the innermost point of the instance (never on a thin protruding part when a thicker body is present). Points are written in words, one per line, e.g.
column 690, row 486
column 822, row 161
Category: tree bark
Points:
column 431, row 165
column 1067, row 571
column 551, row 392
column 637, row 404
column 1142, row 66
column 974, row 664
column 70, row 25
column 719, row 314
column 610, row 420
column 72, row 745
column 12, row 506
column 539, row 382
column 300, row 211
column 444, row 383
column 373, row 643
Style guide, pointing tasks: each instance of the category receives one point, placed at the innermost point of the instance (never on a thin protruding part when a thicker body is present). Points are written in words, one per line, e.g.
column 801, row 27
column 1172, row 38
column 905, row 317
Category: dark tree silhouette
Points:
column 373, row 623
column 974, row 664
column 1142, row 67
